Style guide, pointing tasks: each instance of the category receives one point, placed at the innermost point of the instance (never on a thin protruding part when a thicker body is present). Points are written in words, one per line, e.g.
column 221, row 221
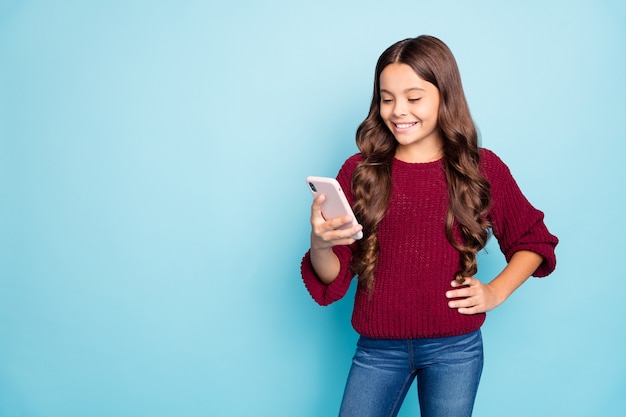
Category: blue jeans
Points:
column 447, row 369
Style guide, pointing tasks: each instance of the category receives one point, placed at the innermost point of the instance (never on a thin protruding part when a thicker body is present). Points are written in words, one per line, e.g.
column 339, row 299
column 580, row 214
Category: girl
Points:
column 427, row 198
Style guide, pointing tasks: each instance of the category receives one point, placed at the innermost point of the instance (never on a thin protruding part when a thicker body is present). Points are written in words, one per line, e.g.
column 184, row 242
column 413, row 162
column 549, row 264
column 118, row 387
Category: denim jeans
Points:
column 447, row 369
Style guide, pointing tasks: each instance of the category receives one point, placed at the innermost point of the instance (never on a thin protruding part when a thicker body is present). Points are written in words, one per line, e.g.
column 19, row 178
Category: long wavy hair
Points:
column 468, row 189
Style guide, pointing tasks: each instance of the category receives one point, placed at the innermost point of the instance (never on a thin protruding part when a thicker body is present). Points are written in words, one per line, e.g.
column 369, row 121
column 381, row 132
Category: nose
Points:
column 400, row 108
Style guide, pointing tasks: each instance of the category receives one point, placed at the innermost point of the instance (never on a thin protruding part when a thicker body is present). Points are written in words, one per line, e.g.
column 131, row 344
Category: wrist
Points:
column 319, row 245
column 321, row 250
column 498, row 293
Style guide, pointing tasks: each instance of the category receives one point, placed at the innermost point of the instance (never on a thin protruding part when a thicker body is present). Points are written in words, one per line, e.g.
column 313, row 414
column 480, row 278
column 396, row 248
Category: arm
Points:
column 325, row 235
column 522, row 235
column 515, row 222
column 476, row 297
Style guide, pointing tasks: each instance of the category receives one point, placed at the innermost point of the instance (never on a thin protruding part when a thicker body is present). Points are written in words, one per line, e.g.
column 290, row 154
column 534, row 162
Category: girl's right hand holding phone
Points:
column 324, row 235
column 328, row 233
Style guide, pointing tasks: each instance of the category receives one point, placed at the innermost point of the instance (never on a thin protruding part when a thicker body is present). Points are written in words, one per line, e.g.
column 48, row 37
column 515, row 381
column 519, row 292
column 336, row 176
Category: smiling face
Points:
column 409, row 107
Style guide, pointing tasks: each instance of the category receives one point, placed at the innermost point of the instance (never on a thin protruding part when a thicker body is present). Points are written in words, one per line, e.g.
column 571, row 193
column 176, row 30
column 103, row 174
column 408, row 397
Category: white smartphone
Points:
column 336, row 204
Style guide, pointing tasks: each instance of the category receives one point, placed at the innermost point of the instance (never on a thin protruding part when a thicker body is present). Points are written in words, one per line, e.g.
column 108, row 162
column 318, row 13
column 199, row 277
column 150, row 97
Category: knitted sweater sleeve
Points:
column 516, row 224
column 322, row 293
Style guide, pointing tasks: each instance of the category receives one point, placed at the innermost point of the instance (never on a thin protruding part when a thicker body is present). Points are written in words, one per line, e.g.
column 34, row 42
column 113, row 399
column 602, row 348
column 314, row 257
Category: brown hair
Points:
column 468, row 189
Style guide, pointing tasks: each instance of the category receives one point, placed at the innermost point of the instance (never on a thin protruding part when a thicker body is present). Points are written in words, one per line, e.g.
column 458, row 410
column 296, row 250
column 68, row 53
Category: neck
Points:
column 415, row 156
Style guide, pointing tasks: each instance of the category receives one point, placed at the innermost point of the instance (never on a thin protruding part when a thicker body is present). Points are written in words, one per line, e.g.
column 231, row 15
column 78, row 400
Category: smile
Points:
column 405, row 125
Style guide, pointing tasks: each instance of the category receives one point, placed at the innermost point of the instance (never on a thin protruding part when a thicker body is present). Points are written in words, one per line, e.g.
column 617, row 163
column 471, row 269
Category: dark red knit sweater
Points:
column 416, row 263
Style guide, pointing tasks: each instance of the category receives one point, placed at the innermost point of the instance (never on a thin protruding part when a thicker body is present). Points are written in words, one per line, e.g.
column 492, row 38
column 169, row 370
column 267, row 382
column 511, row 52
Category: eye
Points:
column 414, row 100
column 386, row 100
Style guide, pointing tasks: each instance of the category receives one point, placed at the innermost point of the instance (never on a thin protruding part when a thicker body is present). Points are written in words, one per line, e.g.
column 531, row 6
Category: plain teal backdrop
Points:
column 153, row 211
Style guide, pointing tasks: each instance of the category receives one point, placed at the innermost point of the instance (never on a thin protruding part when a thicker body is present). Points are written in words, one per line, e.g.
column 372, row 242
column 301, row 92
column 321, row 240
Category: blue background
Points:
column 153, row 211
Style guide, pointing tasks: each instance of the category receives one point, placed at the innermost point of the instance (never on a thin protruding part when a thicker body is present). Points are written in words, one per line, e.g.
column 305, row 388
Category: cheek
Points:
column 436, row 105
column 384, row 112
column 431, row 111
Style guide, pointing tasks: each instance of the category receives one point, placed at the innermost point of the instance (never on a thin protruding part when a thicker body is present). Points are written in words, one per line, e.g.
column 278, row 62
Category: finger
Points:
column 333, row 234
column 472, row 282
column 344, row 241
column 461, row 293
column 470, row 310
column 469, row 305
column 316, row 206
column 467, row 282
column 340, row 233
column 461, row 302
column 340, row 222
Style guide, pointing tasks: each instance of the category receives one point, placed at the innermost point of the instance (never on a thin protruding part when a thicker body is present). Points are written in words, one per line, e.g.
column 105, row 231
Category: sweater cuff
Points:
column 545, row 250
column 325, row 294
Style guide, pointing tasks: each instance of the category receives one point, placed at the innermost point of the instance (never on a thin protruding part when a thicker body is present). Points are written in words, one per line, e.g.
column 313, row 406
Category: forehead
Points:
column 397, row 78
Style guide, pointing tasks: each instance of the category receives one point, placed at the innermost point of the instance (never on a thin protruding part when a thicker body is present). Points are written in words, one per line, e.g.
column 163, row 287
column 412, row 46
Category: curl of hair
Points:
column 468, row 189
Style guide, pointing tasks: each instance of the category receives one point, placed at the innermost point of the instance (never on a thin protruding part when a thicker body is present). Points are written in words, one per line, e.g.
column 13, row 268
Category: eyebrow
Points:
column 382, row 90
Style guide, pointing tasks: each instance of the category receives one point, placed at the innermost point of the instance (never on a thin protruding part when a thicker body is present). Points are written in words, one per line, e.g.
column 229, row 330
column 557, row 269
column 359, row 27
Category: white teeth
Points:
column 404, row 125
